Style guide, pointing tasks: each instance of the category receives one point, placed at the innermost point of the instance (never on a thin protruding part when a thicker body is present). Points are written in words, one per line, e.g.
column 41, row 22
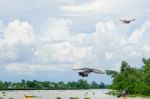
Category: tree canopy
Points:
column 47, row 85
column 133, row 80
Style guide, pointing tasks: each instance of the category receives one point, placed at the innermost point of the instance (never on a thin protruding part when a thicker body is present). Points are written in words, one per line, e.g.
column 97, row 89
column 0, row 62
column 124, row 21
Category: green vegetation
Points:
column 47, row 85
column 87, row 98
column 10, row 98
column 58, row 98
column 136, row 81
column 133, row 80
column 74, row 98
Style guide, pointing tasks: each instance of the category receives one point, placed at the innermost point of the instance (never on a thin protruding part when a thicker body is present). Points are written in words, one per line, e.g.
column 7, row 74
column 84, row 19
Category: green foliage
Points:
column 133, row 80
column 94, row 85
column 124, row 66
column 46, row 85
column 74, row 98
column 58, row 98
column 87, row 98
column 10, row 98
column 83, row 84
column 111, row 73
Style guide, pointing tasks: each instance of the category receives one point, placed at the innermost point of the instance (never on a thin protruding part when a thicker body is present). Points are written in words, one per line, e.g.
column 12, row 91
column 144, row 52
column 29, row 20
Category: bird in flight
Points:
column 127, row 21
column 85, row 71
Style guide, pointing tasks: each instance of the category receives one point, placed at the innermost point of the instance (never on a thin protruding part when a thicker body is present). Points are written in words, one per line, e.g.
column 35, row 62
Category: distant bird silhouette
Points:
column 85, row 71
column 127, row 21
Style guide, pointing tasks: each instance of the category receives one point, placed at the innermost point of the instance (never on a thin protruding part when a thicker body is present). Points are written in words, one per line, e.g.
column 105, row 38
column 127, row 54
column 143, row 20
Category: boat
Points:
column 29, row 96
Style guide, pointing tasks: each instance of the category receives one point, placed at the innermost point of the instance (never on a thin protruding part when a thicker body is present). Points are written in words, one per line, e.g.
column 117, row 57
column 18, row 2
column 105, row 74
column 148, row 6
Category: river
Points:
column 65, row 94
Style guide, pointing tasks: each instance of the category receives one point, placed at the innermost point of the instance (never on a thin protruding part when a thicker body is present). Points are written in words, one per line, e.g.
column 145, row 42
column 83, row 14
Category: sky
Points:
column 45, row 39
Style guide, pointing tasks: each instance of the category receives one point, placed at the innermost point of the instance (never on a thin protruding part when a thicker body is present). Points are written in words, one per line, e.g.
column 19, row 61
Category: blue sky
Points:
column 45, row 39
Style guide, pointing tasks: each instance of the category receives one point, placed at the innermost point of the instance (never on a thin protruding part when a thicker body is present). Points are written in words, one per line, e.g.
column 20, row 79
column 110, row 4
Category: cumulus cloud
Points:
column 61, row 52
column 18, row 32
column 58, row 44
column 79, row 33
column 56, row 29
column 58, row 48
column 18, row 36
column 54, row 49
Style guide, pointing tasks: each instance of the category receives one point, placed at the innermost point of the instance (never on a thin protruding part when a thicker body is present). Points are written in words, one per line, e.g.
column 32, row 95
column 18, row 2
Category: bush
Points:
column 10, row 98
column 58, row 98
column 74, row 98
column 87, row 98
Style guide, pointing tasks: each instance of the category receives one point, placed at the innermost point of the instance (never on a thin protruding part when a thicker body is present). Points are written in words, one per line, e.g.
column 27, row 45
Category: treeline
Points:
column 47, row 85
column 133, row 80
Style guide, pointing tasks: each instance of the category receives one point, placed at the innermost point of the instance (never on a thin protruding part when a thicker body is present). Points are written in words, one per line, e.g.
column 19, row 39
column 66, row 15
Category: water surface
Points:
column 65, row 94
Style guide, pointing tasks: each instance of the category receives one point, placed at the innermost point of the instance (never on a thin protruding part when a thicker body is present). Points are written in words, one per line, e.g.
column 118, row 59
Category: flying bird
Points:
column 127, row 21
column 85, row 71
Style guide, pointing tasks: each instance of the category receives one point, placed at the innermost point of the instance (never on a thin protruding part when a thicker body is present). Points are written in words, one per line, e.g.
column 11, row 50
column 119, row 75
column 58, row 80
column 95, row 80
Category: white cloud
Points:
column 61, row 52
column 18, row 32
column 18, row 36
column 21, row 6
column 134, row 54
column 59, row 44
column 95, row 5
column 57, row 48
column 108, row 55
column 24, row 68
column 107, row 7
column 105, row 27
column 7, row 54
column 1, row 26
column 105, row 31
column 56, row 29
column 70, row 39
column 146, row 48
column 139, row 33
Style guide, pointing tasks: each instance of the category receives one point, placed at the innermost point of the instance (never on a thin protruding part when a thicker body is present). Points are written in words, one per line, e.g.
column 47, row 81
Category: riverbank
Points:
column 115, row 93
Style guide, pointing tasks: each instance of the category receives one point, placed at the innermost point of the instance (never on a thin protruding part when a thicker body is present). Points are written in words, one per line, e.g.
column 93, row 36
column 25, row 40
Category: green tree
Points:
column 133, row 80
column 83, row 84
column 1, row 85
column 94, row 85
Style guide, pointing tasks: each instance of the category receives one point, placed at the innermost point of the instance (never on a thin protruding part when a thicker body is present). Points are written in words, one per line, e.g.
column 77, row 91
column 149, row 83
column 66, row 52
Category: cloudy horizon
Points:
column 46, row 39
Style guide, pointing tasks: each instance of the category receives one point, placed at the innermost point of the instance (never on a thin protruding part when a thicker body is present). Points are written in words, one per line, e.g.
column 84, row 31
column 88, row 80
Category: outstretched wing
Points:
column 98, row 71
column 132, row 20
column 81, row 69
column 122, row 20
column 127, row 21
